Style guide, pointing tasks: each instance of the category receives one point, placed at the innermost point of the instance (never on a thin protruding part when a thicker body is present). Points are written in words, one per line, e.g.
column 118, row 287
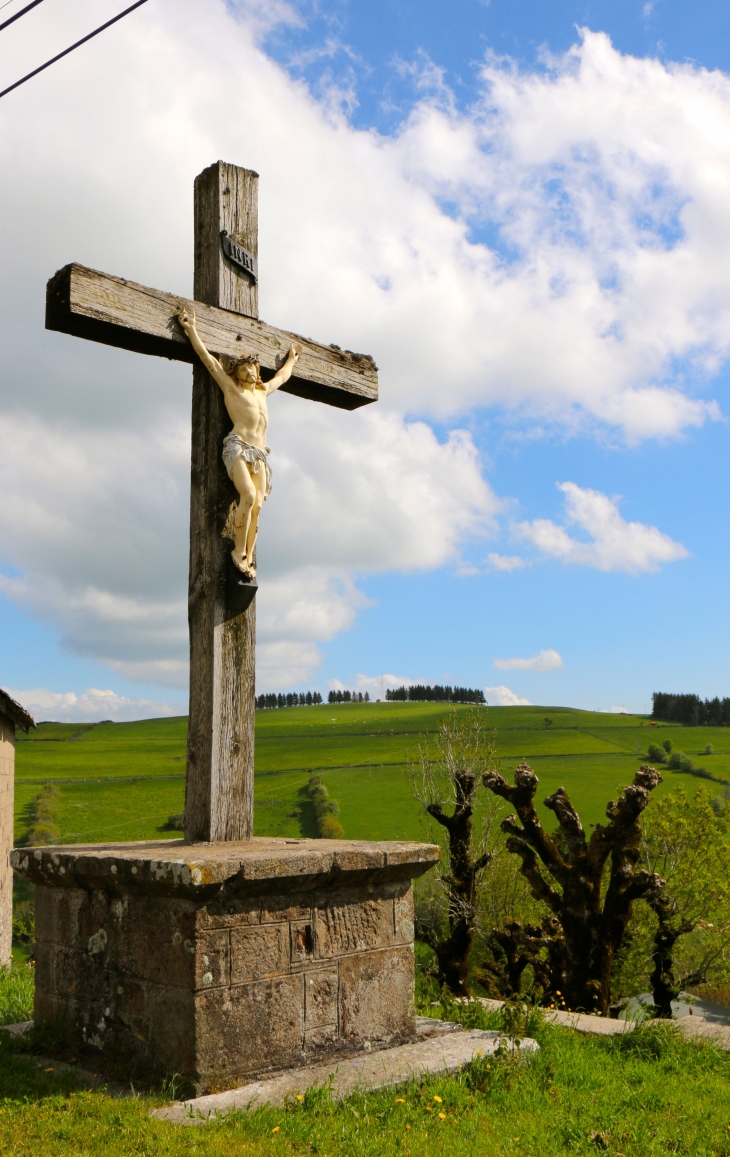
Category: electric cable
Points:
column 66, row 51
column 22, row 12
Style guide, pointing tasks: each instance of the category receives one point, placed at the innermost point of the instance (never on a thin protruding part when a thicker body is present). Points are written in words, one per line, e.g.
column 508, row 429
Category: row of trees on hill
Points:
column 575, row 919
column 691, row 710
column 293, row 699
column 418, row 693
column 348, row 697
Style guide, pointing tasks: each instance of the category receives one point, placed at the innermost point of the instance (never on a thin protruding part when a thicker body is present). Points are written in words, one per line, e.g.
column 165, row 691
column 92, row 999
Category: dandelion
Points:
column 408, row 1126
column 51, row 1070
column 558, row 992
column 437, row 1098
column 300, row 1097
column 442, row 1116
column 276, row 1129
column 479, row 1052
column 429, row 1109
column 400, row 1100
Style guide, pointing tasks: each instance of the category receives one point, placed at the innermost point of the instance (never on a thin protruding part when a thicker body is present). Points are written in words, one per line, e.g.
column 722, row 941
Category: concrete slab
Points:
column 442, row 1048
column 696, row 1028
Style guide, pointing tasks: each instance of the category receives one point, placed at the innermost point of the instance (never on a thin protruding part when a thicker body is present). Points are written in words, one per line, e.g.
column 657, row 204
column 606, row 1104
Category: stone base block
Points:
column 219, row 962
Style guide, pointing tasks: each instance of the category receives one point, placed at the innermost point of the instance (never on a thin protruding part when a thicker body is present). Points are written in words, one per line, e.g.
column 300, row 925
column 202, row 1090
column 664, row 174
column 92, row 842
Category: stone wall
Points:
column 7, row 771
column 219, row 992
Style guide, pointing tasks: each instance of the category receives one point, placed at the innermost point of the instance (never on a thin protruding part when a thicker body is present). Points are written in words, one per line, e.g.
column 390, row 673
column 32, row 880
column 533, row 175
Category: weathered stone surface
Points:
column 260, row 951
column 250, row 1028
column 251, row 867
column 321, row 998
column 12, row 715
column 222, row 967
column 376, row 995
column 351, row 925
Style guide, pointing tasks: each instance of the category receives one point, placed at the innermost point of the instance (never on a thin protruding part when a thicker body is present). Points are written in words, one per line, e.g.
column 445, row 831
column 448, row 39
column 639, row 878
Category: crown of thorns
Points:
column 246, row 360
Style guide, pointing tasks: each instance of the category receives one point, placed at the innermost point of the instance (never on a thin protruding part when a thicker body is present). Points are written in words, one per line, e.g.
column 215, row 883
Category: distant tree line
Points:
column 690, row 709
column 292, row 699
column 348, row 697
column 418, row 693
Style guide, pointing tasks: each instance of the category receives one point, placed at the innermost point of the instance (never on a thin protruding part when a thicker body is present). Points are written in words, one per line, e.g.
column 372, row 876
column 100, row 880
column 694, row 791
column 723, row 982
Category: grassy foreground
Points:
column 641, row 1095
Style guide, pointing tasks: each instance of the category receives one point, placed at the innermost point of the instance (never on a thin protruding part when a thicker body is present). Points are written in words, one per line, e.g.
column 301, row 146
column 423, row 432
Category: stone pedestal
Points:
column 221, row 961
column 12, row 715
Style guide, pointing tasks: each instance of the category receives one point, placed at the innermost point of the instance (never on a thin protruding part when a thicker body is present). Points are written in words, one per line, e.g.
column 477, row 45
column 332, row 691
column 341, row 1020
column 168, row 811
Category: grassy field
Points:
column 121, row 781
column 644, row 1094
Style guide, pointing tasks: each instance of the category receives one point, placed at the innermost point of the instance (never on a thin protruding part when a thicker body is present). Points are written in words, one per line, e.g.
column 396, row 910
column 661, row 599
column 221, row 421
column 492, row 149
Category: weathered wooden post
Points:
column 12, row 715
column 219, row 784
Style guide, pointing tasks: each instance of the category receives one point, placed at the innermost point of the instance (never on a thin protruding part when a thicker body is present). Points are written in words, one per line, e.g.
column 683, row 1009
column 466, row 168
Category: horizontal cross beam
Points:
column 101, row 308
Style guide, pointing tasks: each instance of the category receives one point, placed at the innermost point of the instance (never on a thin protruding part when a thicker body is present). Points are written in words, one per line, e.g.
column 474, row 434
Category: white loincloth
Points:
column 234, row 448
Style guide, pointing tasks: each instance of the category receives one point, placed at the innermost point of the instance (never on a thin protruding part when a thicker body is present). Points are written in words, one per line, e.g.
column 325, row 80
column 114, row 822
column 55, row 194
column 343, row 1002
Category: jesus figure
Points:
column 244, row 449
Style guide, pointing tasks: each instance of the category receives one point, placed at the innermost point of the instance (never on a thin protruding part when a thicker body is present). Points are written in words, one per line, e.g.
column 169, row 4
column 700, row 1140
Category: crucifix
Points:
column 221, row 605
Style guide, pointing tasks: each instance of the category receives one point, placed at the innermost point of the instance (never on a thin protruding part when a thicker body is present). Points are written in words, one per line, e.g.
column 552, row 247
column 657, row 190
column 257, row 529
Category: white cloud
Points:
column 506, row 562
column 545, row 661
column 92, row 706
column 503, row 697
column 377, row 685
column 605, row 300
column 614, row 543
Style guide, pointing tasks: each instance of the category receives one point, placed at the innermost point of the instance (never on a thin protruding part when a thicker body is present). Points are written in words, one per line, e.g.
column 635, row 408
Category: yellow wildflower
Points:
column 437, row 1098
column 300, row 1097
column 276, row 1129
column 442, row 1116
column 400, row 1100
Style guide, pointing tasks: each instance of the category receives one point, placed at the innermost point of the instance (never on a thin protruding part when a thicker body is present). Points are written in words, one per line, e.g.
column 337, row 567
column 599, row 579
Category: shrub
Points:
column 667, row 745
column 174, row 823
column 656, row 754
column 42, row 826
column 331, row 829
column 708, row 749
column 325, row 809
column 678, row 761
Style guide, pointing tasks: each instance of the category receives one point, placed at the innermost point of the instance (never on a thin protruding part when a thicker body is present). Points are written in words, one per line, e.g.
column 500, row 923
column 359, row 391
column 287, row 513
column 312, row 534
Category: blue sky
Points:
column 528, row 231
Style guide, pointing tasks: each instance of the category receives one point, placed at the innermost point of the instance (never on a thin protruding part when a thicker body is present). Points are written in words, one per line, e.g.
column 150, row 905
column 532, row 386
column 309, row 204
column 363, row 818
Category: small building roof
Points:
column 14, row 711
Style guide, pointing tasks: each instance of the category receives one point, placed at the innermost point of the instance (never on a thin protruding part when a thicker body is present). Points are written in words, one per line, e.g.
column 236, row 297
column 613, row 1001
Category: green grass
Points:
column 16, row 993
column 121, row 781
column 642, row 1095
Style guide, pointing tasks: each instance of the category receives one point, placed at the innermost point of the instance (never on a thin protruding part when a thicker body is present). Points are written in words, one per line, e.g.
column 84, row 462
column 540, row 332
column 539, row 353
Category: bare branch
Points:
column 530, row 869
column 569, row 821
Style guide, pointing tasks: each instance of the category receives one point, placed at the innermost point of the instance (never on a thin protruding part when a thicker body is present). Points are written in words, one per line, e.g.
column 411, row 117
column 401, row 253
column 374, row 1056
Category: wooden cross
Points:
column 83, row 302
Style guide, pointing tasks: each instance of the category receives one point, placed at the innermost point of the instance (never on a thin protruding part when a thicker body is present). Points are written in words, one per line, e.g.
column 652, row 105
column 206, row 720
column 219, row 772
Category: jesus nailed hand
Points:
column 244, row 449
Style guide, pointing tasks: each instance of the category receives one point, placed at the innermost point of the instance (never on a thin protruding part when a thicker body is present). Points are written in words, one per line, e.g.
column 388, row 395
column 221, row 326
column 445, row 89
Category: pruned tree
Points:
column 517, row 946
column 450, row 777
column 686, row 842
column 593, row 913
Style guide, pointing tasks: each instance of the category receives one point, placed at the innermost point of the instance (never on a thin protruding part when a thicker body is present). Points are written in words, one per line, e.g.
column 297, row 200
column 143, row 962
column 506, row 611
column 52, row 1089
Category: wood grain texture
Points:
column 220, row 754
column 226, row 197
column 107, row 309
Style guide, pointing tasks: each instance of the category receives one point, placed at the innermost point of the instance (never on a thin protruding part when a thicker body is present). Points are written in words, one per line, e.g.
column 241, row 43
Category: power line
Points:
column 78, row 44
column 22, row 12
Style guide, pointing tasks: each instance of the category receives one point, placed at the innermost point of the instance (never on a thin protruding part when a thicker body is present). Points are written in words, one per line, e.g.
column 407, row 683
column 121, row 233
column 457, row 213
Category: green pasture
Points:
column 120, row 781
